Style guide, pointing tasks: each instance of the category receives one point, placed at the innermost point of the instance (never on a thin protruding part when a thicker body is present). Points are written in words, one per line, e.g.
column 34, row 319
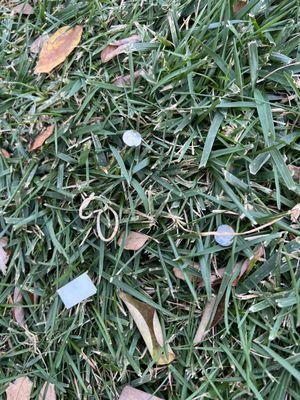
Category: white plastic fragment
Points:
column 224, row 240
column 77, row 290
column 132, row 138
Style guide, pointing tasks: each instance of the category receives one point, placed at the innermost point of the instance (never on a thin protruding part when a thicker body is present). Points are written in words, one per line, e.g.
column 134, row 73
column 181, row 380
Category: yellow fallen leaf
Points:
column 118, row 47
column 18, row 310
column 41, row 137
column 57, row 48
column 47, row 392
column 148, row 324
column 23, row 8
column 134, row 240
column 20, row 389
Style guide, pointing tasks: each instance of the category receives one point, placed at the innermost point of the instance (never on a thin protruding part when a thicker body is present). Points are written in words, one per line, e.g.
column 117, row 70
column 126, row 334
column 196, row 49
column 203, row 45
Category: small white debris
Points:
column 77, row 290
column 132, row 138
column 224, row 240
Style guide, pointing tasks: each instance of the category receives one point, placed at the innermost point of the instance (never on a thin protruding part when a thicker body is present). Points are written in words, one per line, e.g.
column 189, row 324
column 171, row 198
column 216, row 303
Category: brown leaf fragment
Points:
column 122, row 81
column 47, row 392
column 219, row 315
column 202, row 328
column 23, row 8
column 205, row 324
column 147, row 322
column 130, row 393
column 4, row 257
column 20, row 389
column 295, row 213
column 41, row 138
column 57, row 48
column 38, row 43
column 134, row 240
column 239, row 4
column 295, row 171
column 248, row 264
column 130, row 39
column 5, row 153
column 18, row 310
column 215, row 276
column 118, row 47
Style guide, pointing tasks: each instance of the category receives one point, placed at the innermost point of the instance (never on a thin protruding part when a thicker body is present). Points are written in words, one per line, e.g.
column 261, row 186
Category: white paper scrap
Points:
column 77, row 290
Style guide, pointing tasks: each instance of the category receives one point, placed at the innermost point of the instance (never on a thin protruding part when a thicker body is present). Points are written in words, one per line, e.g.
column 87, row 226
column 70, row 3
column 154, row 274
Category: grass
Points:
column 218, row 109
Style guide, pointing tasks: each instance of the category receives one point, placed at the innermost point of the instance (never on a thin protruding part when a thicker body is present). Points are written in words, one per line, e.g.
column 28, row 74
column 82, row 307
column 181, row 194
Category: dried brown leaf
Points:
column 47, row 392
column 3, row 255
column 126, row 80
column 57, row 48
column 295, row 213
column 202, row 328
column 205, row 324
column 20, row 389
column 5, row 153
column 130, row 39
column 295, row 171
column 215, row 277
column 18, row 310
column 118, row 47
column 41, row 137
column 148, row 324
column 23, row 8
column 219, row 314
column 36, row 45
column 134, row 240
column 239, row 4
column 130, row 393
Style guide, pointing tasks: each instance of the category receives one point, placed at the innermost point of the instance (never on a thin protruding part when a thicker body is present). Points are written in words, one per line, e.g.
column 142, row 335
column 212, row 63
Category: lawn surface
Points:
column 217, row 106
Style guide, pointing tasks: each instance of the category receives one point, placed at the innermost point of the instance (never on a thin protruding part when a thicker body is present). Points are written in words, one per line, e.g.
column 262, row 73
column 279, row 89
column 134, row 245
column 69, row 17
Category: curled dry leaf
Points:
column 295, row 213
column 36, row 46
column 47, row 392
column 5, row 153
column 134, row 240
column 130, row 393
column 148, row 324
column 23, row 8
column 238, row 5
column 118, row 47
column 126, row 80
column 57, row 48
column 20, row 389
column 41, row 137
column 3, row 255
column 18, row 310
